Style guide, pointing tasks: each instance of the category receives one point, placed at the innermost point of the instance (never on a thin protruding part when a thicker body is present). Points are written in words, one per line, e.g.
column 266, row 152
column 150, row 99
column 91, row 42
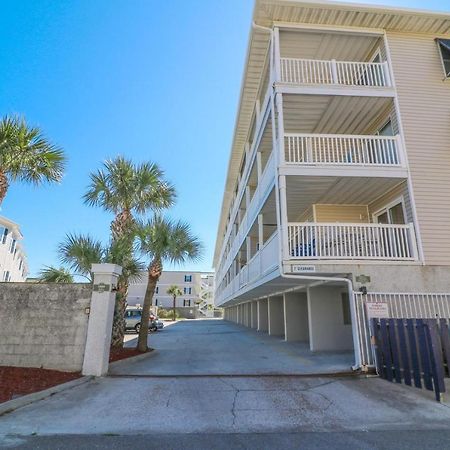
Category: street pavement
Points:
column 189, row 411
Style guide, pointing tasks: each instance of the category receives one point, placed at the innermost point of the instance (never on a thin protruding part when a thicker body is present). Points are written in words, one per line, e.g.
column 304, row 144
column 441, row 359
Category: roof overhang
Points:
column 270, row 13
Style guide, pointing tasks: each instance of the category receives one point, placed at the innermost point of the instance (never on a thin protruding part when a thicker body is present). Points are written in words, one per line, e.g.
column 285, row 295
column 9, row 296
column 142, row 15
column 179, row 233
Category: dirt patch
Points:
column 18, row 381
column 117, row 354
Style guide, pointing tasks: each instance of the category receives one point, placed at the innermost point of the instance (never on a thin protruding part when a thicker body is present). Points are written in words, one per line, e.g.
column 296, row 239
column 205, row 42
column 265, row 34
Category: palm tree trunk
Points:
column 118, row 329
column 4, row 184
column 121, row 224
column 154, row 272
column 174, row 308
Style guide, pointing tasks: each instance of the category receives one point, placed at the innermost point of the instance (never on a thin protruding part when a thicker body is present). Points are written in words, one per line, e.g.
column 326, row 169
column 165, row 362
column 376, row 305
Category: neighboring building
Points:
column 197, row 288
column 338, row 180
column 13, row 260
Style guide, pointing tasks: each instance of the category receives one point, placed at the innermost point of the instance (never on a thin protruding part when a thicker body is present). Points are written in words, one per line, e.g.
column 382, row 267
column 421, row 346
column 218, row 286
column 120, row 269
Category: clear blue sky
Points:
column 152, row 80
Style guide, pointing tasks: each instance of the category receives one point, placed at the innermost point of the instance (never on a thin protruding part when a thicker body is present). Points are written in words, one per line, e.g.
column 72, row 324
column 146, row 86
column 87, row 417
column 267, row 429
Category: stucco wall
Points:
column 43, row 325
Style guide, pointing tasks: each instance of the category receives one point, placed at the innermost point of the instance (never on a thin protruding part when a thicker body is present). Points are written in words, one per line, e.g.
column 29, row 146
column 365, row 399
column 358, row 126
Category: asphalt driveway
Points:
column 217, row 347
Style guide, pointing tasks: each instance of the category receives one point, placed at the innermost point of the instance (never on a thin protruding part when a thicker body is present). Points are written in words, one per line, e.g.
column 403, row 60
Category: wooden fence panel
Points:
column 416, row 349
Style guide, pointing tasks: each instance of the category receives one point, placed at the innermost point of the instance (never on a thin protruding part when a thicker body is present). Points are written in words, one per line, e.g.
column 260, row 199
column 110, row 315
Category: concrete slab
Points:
column 217, row 347
column 227, row 405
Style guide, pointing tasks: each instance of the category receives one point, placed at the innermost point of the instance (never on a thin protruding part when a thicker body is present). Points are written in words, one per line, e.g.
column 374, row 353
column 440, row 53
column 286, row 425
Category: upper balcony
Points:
column 295, row 71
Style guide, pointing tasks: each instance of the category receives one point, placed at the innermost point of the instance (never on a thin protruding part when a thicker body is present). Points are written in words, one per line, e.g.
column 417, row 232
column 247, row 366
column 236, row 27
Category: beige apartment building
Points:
column 197, row 289
column 337, row 196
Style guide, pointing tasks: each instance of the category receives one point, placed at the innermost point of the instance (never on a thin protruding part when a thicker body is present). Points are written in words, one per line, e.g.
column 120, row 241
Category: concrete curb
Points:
column 132, row 359
column 19, row 402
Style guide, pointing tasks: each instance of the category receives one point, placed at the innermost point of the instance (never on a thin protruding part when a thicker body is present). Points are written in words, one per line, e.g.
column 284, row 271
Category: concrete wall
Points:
column 276, row 316
column 327, row 331
column 263, row 315
column 296, row 316
column 254, row 321
column 44, row 325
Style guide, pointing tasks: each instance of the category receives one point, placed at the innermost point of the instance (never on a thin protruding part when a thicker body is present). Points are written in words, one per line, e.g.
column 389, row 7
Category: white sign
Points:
column 300, row 269
column 377, row 310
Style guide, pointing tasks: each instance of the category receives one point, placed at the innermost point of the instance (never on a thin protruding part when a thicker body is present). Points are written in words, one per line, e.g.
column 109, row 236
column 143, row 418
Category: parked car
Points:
column 133, row 317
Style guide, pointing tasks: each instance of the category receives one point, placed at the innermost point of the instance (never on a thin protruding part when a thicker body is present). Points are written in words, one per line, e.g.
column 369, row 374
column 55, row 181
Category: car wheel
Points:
column 137, row 328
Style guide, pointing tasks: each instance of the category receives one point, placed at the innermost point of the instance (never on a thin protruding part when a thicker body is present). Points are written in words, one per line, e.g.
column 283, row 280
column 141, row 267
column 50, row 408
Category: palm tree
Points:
column 26, row 155
column 162, row 240
column 175, row 292
column 51, row 274
column 125, row 189
column 79, row 252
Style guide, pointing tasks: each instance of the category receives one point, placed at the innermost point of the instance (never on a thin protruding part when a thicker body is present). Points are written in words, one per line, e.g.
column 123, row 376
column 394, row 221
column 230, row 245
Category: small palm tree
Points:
column 175, row 292
column 124, row 189
column 26, row 155
column 162, row 240
column 79, row 252
column 50, row 274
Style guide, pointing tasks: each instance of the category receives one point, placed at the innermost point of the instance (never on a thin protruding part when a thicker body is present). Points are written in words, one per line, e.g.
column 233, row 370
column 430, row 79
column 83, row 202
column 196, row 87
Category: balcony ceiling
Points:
column 332, row 114
column 303, row 191
column 267, row 13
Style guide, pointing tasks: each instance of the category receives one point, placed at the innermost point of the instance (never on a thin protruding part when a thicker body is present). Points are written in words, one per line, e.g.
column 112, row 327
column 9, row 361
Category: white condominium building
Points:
column 13, row 260
column 337, row 194
column 197, row 289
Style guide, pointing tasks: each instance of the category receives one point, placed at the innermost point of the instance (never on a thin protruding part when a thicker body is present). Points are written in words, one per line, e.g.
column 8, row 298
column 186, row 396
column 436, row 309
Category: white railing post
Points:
column 412, row 233
column 387, row 75
column 334, row 72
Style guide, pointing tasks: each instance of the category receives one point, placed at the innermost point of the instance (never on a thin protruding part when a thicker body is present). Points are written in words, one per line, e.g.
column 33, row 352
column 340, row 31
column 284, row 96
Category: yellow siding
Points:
column 342, row 213
column 424, row 100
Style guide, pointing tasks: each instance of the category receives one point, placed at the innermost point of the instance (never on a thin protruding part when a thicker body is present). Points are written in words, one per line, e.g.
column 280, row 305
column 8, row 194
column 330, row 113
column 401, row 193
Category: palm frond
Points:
column 50, row 274
column 79, row 252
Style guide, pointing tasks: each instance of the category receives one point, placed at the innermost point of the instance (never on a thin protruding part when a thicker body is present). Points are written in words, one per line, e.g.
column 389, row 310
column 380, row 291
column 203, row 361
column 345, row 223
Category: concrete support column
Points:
column 98, row 341
column 254, row 321
column 296, row 316
column 276, row 316
column 263, row 320
column 248, row 323
column 329, row 328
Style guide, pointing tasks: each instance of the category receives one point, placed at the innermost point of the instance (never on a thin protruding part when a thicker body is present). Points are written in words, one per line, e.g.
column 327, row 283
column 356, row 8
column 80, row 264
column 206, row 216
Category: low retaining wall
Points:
column 44, row 325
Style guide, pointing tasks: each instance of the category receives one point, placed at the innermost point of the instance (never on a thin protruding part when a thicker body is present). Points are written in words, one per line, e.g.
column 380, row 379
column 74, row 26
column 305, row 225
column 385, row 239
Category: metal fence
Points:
column 400, row 306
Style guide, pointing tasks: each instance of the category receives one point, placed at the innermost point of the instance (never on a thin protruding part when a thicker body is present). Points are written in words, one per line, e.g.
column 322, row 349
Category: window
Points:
column 188, row 278
column 186, row 303
column 187, row 290
column 444, row 47
column 20, row 264
column 12, row 246
column 346, row 308
column 157, row 290
column 156, row 301
column 392, row 214
column 6, row 275
column 3, row 234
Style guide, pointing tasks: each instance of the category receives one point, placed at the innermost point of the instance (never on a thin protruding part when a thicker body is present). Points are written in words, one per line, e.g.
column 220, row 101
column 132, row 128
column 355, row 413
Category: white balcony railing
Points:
column 342, row 149
column 352, row 241
column 347, row 73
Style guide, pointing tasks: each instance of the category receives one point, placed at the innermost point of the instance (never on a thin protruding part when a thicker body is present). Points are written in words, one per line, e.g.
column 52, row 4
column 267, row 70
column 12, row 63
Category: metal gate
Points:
column 404, row 305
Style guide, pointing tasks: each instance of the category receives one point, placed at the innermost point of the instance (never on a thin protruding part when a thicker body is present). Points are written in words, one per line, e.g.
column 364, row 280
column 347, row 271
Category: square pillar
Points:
column 98, row 340
column 296, row 316
column 276, row 316
column 263, row 319
column 248, row 322
column 329, row 328
column 254, row 320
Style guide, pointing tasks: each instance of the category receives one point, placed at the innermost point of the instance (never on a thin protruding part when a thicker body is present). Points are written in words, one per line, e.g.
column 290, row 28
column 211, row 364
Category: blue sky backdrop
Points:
column 151, row 80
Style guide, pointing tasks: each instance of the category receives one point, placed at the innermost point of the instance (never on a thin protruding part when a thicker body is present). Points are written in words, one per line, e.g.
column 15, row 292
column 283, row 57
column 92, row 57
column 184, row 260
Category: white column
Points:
column 296, row 316
column 263, row 323
column 98, row 341
column 259, row 166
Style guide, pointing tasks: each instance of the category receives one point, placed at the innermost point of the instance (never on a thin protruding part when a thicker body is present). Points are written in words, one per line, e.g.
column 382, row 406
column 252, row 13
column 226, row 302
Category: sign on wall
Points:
column 377, row 310
column 303, row 268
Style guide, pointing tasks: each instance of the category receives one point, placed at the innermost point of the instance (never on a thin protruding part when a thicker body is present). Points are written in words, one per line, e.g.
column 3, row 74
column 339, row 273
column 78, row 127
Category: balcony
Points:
column 296, row 71
column 347, row 241
column 339, row 149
